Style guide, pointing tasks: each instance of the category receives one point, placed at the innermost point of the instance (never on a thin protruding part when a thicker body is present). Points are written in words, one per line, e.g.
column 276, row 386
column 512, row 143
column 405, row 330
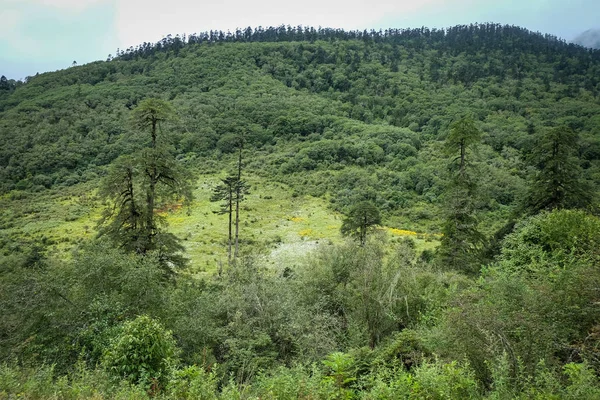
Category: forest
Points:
column 301, row 213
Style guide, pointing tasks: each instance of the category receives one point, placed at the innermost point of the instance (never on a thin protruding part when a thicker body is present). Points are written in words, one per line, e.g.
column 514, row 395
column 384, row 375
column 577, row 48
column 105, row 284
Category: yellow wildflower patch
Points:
column 402, row 232
column 305, row 232
column 296, row 219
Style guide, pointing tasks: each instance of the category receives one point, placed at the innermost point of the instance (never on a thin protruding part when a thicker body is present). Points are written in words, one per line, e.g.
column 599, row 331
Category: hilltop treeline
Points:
column 469, row 38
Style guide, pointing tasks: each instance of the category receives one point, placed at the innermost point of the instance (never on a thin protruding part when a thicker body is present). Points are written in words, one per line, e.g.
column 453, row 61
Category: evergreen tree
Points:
column 139, row 184
column 4, row 85
column 241, row 189
column 361, row 218
column 231, row 192
column 225, row 192
column 461, row 240
column 558, row 182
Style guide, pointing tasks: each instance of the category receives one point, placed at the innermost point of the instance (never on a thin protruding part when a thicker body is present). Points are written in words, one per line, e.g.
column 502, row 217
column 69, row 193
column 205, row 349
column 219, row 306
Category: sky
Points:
column 46, row 35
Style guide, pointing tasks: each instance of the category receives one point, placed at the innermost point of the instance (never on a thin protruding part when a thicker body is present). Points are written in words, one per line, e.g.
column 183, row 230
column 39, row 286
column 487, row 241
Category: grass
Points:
column 275, row 221
column 270, row 216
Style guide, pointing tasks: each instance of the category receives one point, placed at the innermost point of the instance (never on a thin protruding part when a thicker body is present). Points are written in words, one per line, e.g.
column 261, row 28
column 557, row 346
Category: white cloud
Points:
column 66, row 5
column 149, row 20
column 13, row 13
column 10, row 21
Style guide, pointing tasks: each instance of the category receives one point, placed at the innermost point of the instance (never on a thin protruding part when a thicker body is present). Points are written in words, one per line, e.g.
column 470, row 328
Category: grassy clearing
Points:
column 270, row 216
column 59, row 219
column 274, row 221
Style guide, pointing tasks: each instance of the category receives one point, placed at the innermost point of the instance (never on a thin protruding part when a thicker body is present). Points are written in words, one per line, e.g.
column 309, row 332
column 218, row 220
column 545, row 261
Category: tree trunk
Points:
column 151, row 193
column 154, row 122
column 150, row 215
column 462, row 157
column 238, row 189
column 230, row 200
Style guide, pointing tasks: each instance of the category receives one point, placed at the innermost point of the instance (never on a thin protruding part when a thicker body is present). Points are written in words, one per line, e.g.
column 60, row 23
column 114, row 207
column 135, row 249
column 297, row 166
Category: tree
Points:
column 231, row 192
column 241, row 189
column 143, row 351
column 4, row 85
column 123, row 220
column 136, row 185
column 463, row 137
column 361, row 218
column 558, row 181
column 461, row 239
column 225, row 192
column 149, row 114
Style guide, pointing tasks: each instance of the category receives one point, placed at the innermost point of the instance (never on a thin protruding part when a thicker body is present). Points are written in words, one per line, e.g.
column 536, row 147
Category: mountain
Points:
column 589, row 38
column 325, row 111
column 466, row 160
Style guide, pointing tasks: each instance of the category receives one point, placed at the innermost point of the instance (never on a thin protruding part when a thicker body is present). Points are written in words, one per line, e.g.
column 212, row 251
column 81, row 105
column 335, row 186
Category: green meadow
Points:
column 275, row 222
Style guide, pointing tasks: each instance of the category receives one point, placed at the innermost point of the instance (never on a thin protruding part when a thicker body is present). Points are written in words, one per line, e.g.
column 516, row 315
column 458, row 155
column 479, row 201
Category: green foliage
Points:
column 192, row 383
column 136, row 186
column 536, row 303
column 404, row 348
column 42, row 382
column 344, row 116
column 340, row 372
column 143, row 352
column 150, row 114
column 362, row 218
column 66, row 310
column 462, row 139
column 462, row 240
column 558, row 233
column 559, row 181
column 297, row 382
column 431, row 380
column 444, row 381
column 306, row 108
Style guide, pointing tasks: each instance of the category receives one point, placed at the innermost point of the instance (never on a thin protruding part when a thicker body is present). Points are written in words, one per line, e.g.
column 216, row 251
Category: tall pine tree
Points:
column 461, row 239
column 558, row 181
column 140, row 184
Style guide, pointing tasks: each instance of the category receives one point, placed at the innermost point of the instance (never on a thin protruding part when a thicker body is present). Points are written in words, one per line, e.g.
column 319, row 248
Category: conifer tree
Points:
column 461, row 240
column 231, row 192
column 4, row 85
column 361, row 218
column 558, row 182
column 225, row 192
column 139, row 184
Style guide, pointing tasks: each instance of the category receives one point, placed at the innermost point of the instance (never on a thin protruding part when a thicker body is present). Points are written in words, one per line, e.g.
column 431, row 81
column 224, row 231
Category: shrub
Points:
column 141, row 352
column 193, row 383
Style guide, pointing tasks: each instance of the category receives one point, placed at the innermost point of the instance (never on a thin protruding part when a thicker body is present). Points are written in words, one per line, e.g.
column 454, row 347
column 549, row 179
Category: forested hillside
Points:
column 299, row 213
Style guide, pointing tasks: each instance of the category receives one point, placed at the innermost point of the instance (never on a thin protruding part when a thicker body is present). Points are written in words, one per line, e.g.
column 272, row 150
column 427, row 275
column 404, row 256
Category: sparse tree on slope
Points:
column 361, row 218
column 231, row 192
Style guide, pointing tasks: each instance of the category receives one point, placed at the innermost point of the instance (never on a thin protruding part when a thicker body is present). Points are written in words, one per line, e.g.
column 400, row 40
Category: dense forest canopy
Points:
column 148, row 201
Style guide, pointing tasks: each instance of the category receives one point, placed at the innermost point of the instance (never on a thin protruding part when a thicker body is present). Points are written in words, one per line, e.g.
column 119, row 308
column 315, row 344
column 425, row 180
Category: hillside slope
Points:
column 346, row 115
column 465, row 161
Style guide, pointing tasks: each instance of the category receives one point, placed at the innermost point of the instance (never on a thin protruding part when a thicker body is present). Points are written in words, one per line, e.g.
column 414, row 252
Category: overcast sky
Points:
column 46, row 35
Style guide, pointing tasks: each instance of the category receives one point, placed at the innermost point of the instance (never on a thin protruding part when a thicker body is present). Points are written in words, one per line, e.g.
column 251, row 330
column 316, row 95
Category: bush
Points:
column 432, row 381
column 142, row 352
column 192, row 383
column 291, row 383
